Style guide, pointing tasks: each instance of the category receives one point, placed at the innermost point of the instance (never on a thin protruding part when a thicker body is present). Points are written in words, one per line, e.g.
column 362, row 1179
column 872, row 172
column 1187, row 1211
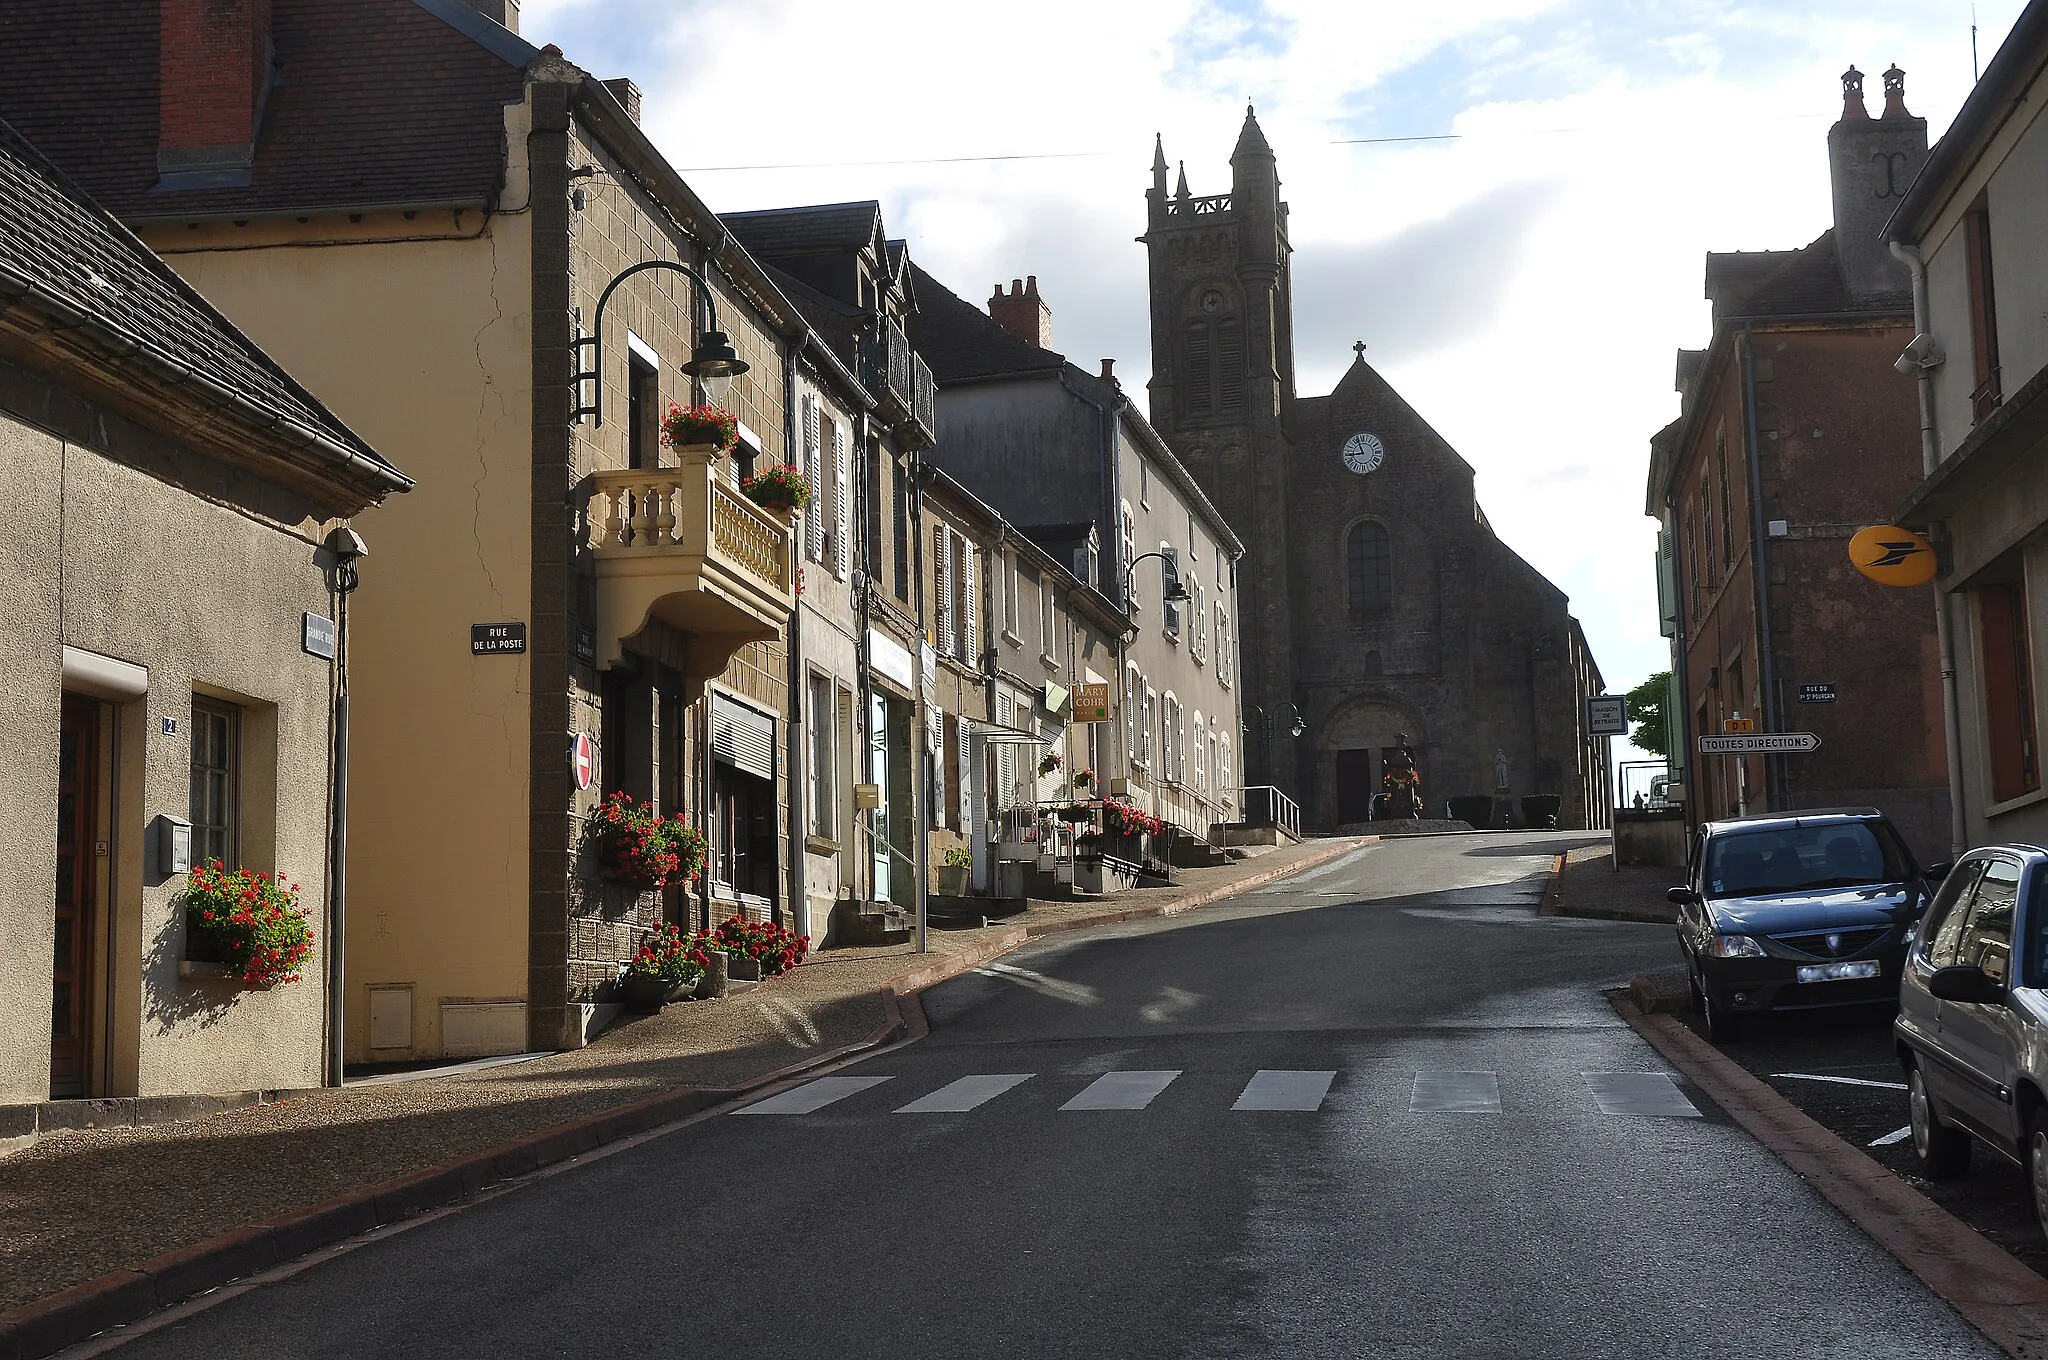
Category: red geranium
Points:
column 643, row 847
column 251, row 920
column 705, row 424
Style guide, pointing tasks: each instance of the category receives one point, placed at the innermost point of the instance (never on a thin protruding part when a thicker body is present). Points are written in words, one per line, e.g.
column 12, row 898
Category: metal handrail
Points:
column 1279, row 809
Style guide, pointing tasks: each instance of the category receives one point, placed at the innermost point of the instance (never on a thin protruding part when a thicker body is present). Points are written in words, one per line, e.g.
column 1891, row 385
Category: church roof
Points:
column 1252, row 140
column 960, row 341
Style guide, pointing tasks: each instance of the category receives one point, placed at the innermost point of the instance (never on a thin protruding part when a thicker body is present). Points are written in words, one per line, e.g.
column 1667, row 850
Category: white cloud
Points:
column 1525, row 287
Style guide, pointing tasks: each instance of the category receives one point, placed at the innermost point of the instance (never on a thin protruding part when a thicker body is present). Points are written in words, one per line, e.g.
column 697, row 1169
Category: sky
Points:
column 1523, row 277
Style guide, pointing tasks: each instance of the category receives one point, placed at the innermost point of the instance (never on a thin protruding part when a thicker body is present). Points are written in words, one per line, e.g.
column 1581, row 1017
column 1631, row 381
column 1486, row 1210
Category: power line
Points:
column 919, row 160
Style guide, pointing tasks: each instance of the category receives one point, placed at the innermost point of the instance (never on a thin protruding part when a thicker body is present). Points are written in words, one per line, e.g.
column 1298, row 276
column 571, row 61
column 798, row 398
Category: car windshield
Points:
column 1795, row 858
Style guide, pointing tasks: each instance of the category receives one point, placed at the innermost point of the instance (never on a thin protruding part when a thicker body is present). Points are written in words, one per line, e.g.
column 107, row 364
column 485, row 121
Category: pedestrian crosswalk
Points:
column 1652, row 1095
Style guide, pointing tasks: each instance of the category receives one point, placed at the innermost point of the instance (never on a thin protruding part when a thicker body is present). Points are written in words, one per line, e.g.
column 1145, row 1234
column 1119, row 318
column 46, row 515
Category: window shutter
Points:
column 970, row 605
column 743, row 737
column 842, row 500
column 1201, row 379
column 814, row 513
column 943, row 586
column 964, row 731
column 1229, row 366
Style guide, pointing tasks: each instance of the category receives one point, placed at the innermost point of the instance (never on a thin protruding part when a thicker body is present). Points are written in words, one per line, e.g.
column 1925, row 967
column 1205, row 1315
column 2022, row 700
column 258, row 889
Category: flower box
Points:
column 248, row 924
column 782, row 487
column 691, row 427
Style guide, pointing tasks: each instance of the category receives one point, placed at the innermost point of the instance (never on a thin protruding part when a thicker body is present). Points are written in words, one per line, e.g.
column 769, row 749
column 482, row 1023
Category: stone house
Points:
column 861, row 630
column 1379, row 608
column 1795, row 432
column 168, row 673
column 1971, row 228
column 1067, row 457
column 422, row 213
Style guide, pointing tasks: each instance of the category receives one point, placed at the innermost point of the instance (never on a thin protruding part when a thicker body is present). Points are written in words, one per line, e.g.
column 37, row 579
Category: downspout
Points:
column 1112, row 492
column 919, row 754
column 1944, row 637
column 799, row 692
column 860, row 736
column 1676, row 740
column 1767, row 665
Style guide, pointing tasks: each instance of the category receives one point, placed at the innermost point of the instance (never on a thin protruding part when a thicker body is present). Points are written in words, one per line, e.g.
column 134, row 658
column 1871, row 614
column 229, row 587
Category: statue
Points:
column 1402, row 784
column 1500, row 771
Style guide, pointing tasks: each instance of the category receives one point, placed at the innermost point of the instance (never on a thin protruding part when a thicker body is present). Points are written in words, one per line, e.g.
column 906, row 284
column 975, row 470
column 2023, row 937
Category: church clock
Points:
column 1364, row 453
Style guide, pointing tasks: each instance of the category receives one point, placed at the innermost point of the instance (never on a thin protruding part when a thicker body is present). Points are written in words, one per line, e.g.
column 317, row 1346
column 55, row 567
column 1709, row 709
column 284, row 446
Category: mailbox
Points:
column 867, row 796
column 173, row 845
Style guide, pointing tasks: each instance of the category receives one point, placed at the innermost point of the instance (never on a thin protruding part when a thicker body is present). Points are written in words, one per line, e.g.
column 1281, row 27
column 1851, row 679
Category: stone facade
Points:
column 1377, row 603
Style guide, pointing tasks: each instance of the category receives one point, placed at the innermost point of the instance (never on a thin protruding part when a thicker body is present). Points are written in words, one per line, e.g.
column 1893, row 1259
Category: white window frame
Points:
column 1048, row 621
column 942, row 588
column 1201, row 732
column 822, row 753
column 1169, row 610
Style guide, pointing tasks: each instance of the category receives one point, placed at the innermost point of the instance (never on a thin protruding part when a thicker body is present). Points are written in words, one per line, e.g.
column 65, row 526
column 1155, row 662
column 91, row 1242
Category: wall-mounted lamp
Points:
column 714, row 363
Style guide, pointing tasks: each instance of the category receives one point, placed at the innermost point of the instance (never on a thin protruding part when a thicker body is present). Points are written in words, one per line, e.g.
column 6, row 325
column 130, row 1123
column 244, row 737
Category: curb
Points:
column 1994, row 1292
column 1554, row 891
column 1553, row 888
column 119, row 1297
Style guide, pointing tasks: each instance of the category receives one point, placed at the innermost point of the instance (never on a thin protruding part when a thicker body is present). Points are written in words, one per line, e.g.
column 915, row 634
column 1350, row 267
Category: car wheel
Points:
column 1944, row 1152
column 1721, row 1027
column 2037, row 1166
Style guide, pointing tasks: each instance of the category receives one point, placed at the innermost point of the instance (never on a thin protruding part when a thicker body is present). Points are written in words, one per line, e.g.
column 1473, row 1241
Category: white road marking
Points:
column 1895, row 1136
column 1271, row 1089
column 1121, row 1091
column 1073, row 993
column 1173, row 1003
column 958, row 1097
column 813, row 1096
column 1640, row 1093
column 1455, row 1093
column 1839, row 1081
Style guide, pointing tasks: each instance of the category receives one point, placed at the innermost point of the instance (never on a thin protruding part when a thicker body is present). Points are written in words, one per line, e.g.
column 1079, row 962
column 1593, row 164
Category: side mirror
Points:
column 1681, row 897
column 1937, row 871
column 1966, row 982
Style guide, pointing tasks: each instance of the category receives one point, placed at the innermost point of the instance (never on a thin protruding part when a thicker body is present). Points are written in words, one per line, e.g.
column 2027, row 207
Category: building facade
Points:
column 1380, row 609
column 1065, row 456
column 1796, row 432
column 1971, row 230
column 168, row 620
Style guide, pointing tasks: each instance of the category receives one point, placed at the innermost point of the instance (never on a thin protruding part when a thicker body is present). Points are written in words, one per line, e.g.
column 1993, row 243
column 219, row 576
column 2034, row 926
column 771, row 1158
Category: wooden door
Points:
column 71, row 955
column 1357, row 782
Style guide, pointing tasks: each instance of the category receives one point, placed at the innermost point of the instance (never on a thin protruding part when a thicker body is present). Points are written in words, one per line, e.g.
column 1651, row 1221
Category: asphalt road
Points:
column 1381, row 1110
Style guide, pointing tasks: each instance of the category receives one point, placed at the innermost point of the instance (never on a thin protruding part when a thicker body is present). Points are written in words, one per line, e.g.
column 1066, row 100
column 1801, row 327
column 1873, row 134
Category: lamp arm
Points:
column 707, row 310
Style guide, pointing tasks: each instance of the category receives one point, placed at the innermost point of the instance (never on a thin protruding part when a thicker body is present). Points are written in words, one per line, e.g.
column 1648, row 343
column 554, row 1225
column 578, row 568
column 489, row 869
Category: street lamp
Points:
column 1266, row 720
column 1176, row 590
column 714, row 363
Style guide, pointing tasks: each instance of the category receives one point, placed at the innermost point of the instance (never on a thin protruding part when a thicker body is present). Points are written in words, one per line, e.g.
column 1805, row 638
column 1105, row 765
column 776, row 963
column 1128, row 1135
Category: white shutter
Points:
column 964, row 729
column 943, row 587
column 842, row 499
column 970, row 605
column 814, row 513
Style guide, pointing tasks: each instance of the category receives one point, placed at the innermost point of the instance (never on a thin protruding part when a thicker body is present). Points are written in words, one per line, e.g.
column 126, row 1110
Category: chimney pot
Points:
column 1022, row 312
column 628, row 95
column 1031, row 285
column 1109, row 370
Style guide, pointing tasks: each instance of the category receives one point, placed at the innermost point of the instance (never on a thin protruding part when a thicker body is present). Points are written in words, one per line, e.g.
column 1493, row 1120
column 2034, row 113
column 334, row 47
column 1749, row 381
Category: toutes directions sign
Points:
column 1759, row 743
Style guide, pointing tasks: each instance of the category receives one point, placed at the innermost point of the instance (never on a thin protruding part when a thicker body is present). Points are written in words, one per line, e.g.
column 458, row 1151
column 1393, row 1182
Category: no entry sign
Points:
column 583, row 759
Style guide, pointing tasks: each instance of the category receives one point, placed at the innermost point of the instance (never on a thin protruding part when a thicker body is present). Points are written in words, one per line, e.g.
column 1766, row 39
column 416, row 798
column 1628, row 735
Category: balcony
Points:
column 897, row 377
column 682, row 546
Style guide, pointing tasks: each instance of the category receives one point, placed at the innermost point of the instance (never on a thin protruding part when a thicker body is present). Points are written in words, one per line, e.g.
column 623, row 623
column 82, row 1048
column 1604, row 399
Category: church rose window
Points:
column 1370, row 559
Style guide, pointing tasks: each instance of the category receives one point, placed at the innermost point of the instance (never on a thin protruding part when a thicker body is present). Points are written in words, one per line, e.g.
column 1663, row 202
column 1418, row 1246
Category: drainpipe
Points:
column 863, row 756
column 1767, row 665
column 1944, row 636
column 799, row 692
column 920, row 833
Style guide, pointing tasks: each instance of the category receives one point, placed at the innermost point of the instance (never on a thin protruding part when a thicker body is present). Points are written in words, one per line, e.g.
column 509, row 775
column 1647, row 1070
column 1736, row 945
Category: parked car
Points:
column 1973, row 1021
column 1797, row 911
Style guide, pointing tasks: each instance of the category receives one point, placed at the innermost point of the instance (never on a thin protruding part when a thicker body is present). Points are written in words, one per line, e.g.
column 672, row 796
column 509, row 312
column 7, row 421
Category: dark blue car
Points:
column 1797, row 911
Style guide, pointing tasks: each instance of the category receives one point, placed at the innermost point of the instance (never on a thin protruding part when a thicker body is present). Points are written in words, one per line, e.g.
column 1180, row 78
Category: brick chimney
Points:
column 628, row 95
column 504, row 13
column 214, row 75
column 1022, row 313
column 1871, row 161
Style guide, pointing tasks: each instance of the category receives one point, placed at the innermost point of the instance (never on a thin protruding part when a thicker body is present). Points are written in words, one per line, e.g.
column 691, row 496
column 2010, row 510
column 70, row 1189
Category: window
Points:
column 1804, row 858
column 1169, row 609
column 1145, row 483
column 1727, row 531
column 840, row 518
column 643, row 411
column 1194, row 544
column 1169, row 738
column 943, row 587
column 1983, row 312
column 1201, row 754
column 2008, row 690
column 743, row 841
column 1942, row 930
column 812, row 456
column 1214, row 763
column 1214, row 351
column 970, row 601
column 1011, row 600
column 1706, row 520
column 1048, row 621
column 216, row 782
column 1369, row 559
column 1987, row 939
column 1128, row 546
column 1224, row 667
column 1198, row 622
column 824, row 761
column 1225, row 787
column 899, row 501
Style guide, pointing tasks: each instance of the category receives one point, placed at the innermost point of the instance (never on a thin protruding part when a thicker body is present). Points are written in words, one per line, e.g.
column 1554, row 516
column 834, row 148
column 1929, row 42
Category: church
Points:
column 1379, row 609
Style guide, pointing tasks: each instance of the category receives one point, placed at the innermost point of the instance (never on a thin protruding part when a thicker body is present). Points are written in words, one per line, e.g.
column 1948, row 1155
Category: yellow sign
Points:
column 1738, row 724
column 1892, row 556
column 1091, row 703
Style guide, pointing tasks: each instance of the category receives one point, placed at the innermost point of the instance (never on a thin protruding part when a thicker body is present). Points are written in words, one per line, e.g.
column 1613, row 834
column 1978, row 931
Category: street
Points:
column 1381, row 1109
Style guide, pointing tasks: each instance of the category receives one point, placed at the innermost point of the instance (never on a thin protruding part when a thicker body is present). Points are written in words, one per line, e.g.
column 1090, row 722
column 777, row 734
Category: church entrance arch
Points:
column 1354, row 748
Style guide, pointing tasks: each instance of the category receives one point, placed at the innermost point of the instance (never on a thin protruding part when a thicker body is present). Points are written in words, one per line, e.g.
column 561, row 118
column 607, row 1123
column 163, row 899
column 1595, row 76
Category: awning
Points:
column 994, row 734
column 742, row 737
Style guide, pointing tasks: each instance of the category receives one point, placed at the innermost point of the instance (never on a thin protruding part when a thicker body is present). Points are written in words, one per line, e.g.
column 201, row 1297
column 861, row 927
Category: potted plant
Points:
column 953, row 873
column 706, row 427
column 249, row 923
column 1084, row 780
column 755, row 948
column 665, row 968
column 1129, row 829
column 642, row 848
column 1051, row 763
column 781, row 487
column 1075, row 813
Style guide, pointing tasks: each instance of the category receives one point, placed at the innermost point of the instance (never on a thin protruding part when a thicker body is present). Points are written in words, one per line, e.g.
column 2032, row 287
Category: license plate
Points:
column 1838, row 972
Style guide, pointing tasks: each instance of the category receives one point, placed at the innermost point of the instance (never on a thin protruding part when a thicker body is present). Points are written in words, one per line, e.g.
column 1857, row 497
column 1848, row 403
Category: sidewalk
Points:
column 1589, row 886
column 76, row 1206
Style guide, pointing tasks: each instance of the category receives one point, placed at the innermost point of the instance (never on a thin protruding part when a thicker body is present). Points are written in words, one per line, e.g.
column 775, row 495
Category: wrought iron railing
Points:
column 1265, row 805
column 898, row 377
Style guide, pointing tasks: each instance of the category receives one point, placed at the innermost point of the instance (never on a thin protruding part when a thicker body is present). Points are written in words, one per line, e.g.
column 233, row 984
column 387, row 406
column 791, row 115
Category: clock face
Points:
column 1363, row 452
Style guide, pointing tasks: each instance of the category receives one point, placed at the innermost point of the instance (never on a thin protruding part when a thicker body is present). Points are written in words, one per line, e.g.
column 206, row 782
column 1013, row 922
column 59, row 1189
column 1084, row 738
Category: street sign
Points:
column 1091, row 703
column 1816, row 694
column 1607, row 715
column 1757, row 743
column 1892, row 556
column 316, row 636
column 583, row 760
column 487, row 639
column 1738, row 724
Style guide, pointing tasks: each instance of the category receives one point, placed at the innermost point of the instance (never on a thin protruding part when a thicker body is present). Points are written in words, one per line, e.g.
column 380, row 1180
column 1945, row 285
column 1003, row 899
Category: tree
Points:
column 1651, row 725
